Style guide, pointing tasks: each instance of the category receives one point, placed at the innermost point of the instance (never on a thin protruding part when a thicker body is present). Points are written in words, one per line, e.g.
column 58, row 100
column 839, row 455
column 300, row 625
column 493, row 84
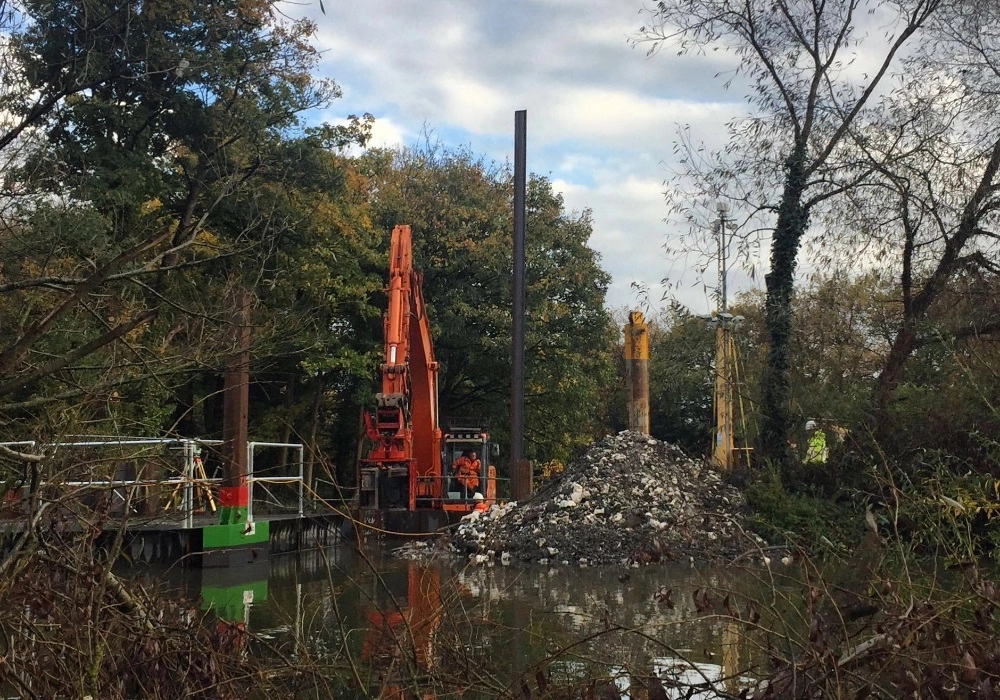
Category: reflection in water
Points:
column 639, row 625
column 410, row 630
column 405, row 632
column 231, row 593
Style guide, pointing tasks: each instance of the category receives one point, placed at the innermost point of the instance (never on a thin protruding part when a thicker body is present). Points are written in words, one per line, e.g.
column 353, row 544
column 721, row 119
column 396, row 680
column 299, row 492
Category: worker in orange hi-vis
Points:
column 467, row 473
column 480, row 503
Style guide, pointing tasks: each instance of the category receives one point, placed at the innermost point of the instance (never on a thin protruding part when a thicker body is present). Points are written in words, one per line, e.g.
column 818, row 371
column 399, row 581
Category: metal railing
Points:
column 503, row 487
column 252, row 479
column 188, row 480
column 332, row 490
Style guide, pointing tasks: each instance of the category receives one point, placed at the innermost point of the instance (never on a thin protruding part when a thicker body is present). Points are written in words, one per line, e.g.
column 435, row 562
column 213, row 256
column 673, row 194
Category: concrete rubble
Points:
column 629, row 500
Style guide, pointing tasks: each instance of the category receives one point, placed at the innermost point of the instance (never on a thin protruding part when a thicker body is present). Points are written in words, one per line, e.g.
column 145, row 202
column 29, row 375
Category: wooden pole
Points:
column 236, row 395
column 723, row 452
column 637, row 372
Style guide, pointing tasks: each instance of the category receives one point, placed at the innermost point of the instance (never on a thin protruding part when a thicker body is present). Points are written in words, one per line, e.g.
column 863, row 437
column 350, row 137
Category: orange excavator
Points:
column 409, row 467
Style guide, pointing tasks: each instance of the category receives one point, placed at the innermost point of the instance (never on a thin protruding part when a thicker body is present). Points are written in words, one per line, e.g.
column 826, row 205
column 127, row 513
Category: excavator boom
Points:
column 405, row 467
column 405, row 429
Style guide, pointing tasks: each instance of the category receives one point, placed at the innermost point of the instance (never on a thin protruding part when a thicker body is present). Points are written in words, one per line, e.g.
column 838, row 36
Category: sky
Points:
column 602, row 117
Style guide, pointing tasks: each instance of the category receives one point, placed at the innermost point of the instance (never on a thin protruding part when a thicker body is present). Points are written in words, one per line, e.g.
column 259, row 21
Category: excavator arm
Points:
column 404, row 427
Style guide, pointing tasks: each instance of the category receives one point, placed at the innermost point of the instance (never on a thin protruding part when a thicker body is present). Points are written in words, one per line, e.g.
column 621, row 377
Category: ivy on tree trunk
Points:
column 793, row 219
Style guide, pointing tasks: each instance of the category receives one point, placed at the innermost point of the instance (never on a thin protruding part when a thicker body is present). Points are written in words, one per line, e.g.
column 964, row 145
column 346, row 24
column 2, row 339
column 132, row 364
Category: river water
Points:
column 390, row 626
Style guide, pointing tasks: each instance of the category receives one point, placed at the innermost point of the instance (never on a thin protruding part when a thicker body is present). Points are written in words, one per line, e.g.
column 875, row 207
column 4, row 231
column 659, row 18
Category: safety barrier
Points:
column 189, row 491
column 268, row 483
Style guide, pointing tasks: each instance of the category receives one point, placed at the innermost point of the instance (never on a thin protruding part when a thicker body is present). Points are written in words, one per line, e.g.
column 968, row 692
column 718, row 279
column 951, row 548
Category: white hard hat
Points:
column 810, row 424
column 477, row 497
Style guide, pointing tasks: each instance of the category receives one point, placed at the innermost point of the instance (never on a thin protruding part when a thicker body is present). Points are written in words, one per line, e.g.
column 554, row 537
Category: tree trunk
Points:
column 892, row 372
column 793, row 218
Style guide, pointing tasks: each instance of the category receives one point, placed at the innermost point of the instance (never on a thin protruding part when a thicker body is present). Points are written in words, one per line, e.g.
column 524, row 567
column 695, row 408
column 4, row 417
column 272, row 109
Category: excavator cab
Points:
column 470, row 443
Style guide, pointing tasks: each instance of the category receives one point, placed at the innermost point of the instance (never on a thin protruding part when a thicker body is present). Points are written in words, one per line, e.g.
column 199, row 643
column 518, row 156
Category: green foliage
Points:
column 947, row 401
column 569, row 333
column 171, row 174
column 943, row 505
column 682, row 380
column 143, row 137
column 842, row 323
column 800, row 519
column 162, row 96
column 317, row 321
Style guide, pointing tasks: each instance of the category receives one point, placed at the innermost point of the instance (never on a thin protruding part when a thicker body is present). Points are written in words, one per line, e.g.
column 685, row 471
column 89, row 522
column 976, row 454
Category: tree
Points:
column 317, row 305
column 788, row 157
column 843, row 326
column 569, row 334
column 128, row 127
column 929, row 211
column 682, row 380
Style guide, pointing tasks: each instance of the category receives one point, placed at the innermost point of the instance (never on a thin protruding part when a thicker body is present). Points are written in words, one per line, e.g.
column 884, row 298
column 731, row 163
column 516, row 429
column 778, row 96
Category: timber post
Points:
column 637, row 372
column 723, row 400
column 234, row 496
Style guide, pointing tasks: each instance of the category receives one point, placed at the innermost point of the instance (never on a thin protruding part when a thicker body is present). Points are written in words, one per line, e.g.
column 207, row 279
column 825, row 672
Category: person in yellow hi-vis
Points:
column 816, row 448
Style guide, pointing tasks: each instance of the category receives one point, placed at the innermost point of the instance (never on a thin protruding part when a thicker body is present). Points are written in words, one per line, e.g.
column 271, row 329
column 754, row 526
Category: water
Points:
column 389, row 624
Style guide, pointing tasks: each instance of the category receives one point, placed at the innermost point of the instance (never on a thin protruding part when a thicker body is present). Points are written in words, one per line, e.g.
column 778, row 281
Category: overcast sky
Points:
column 602, row 117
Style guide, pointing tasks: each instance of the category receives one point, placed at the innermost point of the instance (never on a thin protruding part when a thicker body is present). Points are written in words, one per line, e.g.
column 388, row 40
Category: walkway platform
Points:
column 197, row 542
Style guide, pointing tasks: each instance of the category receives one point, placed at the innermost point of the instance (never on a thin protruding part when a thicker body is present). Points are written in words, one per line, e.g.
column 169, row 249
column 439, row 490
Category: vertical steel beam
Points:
column 517, row 378
column 248, row 477
column 302, row 459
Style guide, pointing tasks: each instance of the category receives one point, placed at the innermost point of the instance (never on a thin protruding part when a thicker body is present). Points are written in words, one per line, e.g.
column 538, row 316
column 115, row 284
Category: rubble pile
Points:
column 629, row 500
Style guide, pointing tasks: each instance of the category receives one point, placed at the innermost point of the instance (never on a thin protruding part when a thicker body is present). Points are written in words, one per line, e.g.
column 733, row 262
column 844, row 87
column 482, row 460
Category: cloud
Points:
column 602, row 117
column 386, row 133
column 630, row 232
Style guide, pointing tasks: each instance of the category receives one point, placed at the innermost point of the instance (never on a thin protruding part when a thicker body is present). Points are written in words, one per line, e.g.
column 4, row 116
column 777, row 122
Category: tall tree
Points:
column 787, row 158
column 127, row 126
column 313, row 346
column 929, row 212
